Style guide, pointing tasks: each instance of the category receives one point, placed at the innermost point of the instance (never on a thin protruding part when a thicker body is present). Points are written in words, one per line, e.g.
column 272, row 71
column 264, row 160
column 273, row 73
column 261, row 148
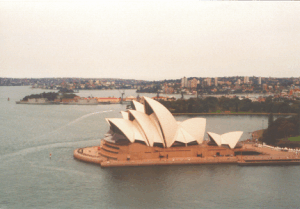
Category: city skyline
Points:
column 146, row 40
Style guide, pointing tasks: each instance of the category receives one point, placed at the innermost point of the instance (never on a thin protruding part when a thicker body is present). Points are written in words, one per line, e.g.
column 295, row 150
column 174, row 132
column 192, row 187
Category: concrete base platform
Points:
column 268, row 157
column 88, row 154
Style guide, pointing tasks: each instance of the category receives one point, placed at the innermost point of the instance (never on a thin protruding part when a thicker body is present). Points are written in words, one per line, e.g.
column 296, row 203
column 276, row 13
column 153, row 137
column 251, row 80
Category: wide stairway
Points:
column 109, row 151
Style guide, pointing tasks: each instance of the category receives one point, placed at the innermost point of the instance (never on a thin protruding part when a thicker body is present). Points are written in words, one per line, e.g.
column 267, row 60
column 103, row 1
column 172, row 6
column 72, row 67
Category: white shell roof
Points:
column 156, row 123
column 183, row 136
column 125, row 126
column 230, row 139
column 166, row 120
column 161, row 127
column 138, row 132
column 125, row 115
column 138, row 106
column 195, row 127
column 187, row 136
column 148, row 127
column 216, row 138
column 129, row 128
column 179, row 136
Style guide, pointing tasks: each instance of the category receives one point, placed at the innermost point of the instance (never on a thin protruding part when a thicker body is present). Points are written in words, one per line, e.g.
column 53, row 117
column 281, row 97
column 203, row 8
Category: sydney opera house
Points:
column 149, row 131
column 153, row 125
column 148, row 134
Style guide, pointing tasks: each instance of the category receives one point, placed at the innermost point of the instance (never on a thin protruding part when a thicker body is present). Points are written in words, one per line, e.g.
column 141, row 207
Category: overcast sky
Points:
column 149, row 40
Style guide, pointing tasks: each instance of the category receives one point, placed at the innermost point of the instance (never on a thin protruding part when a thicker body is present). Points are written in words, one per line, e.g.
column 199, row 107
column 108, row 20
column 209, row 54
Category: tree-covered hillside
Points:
column 213, row 104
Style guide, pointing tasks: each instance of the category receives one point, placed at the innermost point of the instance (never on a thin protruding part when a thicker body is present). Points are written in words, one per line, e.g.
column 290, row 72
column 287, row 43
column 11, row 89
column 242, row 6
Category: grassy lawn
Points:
column 295, row 138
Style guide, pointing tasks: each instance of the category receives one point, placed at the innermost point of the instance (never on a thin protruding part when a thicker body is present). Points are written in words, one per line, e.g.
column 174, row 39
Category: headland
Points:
column 53, row 98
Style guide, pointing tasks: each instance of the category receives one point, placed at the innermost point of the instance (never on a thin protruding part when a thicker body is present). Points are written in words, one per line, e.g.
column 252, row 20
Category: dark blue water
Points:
column 30, row 179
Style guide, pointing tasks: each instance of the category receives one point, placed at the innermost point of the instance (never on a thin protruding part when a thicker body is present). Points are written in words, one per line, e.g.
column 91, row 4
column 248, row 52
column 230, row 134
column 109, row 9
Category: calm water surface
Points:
column 29, row 179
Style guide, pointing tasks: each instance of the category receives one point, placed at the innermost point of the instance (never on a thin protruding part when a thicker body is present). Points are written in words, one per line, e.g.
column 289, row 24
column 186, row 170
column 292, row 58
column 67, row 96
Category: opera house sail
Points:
column 153, row 125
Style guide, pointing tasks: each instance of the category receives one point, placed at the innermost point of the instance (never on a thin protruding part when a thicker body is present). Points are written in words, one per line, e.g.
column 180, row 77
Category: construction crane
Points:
column 122, row 93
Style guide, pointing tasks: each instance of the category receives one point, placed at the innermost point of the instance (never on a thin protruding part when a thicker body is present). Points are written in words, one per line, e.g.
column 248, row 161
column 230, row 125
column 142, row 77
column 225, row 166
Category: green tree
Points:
column 286, row 129
column 279, row 129
column 284, row 108
column 295, row 107
column 256, row 107
column 211, row 104
column 298, row 121
column 224, row 103
column 245, row 105
column 191, row 105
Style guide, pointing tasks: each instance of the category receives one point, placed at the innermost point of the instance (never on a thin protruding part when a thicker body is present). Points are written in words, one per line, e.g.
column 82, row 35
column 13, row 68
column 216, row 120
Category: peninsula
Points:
column 148, row 134
column 53, row 98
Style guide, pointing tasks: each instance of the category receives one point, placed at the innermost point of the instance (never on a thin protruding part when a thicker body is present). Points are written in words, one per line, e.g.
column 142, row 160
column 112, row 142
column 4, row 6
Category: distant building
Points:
column 108, row 99
column 265, row 86
column 259, row 80
column 193, row 83
column 87, row 101
column 216, row 81
column 164, row 98
column 228, row 83
column 184, row 82
column 37, row 101
column 167, row 89
column 246, row 79
column 208, row 81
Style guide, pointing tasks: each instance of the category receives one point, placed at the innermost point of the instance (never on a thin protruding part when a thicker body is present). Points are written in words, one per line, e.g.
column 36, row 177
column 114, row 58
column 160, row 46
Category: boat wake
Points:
column 59, row 169
column 54, row 145
column 72, row 122
column 82, row 117
column 43, row 147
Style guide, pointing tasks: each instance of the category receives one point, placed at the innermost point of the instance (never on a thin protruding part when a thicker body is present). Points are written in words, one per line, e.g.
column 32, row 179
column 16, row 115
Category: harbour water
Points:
column 29, row 178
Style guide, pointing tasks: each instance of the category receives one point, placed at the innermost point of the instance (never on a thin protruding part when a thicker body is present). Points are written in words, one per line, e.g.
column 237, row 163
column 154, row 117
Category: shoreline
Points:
column 70, row 103
column 125, row 102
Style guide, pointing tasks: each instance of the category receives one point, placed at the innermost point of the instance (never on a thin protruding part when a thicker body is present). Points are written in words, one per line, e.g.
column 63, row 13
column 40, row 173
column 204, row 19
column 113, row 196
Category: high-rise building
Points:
column 208, row 80
column 216, row 81
column 184, row 82
column 189, row 84
column 246, row 79
column 259, row 80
